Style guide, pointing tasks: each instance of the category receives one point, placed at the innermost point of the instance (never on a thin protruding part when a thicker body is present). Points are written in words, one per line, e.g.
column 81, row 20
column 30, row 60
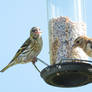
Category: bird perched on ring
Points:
column 29, row 51
column 85, row 43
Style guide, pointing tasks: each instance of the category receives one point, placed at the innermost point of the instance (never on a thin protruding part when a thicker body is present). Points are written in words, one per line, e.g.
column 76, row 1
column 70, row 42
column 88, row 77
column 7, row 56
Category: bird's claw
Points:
column 34, row 60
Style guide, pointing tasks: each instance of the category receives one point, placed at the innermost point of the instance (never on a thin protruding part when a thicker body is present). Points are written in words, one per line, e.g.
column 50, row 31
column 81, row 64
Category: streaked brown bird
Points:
column 29, row 50
column 85, row 43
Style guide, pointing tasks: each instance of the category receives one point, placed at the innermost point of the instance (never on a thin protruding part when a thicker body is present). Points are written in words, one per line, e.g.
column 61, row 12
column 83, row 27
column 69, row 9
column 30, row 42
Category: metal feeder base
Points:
column 69, row 74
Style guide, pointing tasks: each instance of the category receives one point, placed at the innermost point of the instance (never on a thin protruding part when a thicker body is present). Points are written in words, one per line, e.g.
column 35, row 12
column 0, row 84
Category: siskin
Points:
column 29, row 50
column 85, row 43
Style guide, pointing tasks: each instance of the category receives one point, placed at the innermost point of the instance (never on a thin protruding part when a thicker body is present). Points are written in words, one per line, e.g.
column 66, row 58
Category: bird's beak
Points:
column 73, row 46
column 40, row 32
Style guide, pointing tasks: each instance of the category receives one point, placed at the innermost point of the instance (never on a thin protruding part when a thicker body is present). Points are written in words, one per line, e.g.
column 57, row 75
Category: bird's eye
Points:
column 77, row 42
column 34, row 30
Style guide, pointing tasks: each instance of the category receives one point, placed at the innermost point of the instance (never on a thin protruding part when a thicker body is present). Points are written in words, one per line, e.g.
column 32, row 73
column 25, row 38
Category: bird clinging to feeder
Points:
column 84, row 43
column 29, row 50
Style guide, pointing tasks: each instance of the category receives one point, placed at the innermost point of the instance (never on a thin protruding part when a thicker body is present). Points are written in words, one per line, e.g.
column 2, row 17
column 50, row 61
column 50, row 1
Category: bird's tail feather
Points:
column 8, row 66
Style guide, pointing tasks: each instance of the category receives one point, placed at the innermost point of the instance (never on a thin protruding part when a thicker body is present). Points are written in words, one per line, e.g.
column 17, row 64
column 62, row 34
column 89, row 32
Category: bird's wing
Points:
column 22, row 48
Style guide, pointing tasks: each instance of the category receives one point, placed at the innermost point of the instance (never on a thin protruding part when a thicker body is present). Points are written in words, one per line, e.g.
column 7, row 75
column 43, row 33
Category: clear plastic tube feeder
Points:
column 66, row 21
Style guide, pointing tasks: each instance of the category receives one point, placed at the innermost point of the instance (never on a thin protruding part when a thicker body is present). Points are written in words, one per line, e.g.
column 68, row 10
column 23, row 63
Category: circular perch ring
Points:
column 68, row 74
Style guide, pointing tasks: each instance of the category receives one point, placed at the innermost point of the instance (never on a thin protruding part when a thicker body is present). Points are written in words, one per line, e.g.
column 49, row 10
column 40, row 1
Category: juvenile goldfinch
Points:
column 85, row 43
column 29, row 50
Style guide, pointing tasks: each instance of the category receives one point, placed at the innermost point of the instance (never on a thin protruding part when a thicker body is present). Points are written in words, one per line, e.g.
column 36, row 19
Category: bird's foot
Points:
column 34, row 60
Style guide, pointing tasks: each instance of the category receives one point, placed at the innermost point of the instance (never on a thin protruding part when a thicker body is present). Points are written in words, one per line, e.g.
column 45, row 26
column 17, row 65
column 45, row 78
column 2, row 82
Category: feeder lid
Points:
column 68, row 74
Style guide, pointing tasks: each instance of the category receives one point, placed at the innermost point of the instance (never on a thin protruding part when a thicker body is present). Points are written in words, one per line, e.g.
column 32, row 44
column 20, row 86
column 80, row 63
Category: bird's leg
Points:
column 34, row 60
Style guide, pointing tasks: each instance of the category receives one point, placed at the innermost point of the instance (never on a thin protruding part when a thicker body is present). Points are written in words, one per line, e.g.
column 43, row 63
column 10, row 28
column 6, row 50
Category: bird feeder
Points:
column 66, row 22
